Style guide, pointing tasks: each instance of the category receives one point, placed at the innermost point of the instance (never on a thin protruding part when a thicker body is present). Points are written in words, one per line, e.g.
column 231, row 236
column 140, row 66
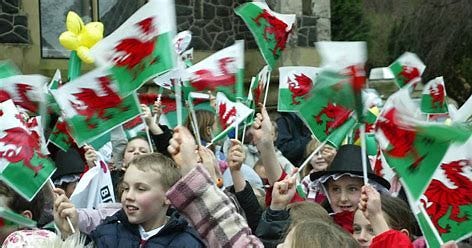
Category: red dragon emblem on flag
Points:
column 23, row 100
column 132, row 51
column 94, row 104
column 441, row 198
column 206, row 80
column 300, row 87
column 337, row 115
column 408, row 73
column 20, row 145
column 437, row 95
column 275, row 27
column 401, row 140
column 226, row 116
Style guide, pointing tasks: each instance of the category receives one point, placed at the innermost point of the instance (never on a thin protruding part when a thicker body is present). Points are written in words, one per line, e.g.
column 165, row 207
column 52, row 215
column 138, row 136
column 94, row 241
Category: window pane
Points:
column 112, row 13
column 53, row 23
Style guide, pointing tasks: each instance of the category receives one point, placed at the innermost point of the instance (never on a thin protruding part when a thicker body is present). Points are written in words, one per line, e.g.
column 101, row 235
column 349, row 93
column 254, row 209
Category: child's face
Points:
column 344, row 193
column 363, row 231
column 134, row 148
column 143, row 198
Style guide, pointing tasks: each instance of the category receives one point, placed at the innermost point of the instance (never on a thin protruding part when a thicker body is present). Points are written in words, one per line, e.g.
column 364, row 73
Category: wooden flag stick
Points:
column 307, row 160
column 67, row 217
column 178, row 101
column 364, row 154
column 194, row 122
column 267, row 87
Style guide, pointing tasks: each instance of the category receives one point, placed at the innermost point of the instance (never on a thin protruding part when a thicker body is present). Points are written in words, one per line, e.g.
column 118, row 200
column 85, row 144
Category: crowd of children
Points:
column 176, row 197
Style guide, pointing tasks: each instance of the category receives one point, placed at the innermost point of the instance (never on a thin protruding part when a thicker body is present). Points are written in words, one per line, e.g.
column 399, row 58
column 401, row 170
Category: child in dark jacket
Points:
column 142, row 221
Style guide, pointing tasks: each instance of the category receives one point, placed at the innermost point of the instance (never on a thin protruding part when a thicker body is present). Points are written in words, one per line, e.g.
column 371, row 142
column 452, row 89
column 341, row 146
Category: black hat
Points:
column 68, row 163
column 348, row 160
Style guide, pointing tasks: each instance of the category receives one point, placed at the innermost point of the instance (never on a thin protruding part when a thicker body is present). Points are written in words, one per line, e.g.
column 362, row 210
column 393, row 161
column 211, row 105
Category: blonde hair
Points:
column 159, row 163
column 310, row 147
column 307, row 210
column 205, row 119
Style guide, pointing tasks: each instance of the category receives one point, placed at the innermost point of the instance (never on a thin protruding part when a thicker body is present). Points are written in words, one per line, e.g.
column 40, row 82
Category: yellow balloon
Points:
column 84, row 54
column 80, row 37
column 91, row 34
column 74, row 23
column 69, row 40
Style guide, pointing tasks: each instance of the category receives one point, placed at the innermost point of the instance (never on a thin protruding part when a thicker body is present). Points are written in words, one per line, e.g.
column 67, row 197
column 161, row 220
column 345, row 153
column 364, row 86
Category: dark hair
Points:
column 18, row 204
column 399, row 215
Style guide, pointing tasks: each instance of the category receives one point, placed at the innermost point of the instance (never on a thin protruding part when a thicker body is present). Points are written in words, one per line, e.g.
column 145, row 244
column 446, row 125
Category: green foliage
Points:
column 347, row 21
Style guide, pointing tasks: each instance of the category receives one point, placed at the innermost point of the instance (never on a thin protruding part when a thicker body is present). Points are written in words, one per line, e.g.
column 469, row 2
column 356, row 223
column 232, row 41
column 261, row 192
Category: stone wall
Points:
column 214, row 24
column 13, row 23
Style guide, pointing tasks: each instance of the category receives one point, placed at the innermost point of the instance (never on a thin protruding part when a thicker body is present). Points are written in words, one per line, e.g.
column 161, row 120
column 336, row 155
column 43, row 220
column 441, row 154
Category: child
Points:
column 318, row 162
column 381, row 220
column 342, row 183
column 142, row 219
column 317, row 233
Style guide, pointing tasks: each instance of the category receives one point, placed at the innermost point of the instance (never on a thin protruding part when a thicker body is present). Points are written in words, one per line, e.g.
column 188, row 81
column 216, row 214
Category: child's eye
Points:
column 353, row 189
column 371, row 231
column 357, row 229
column 141, row 189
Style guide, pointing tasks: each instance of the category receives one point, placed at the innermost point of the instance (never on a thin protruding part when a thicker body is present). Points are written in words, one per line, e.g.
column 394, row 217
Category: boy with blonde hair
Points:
column 142, row 221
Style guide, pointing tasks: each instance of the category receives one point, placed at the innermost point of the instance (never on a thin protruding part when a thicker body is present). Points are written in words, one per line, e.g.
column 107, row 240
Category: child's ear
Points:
column 28, row 214
column 405, row 232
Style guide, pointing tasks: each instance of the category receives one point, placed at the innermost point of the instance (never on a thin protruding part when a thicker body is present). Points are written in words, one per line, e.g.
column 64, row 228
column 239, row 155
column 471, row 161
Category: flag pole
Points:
column 267, row 87
column 236, row 137
column 159, row 96
column 67, row 217
column 194, row 122
column 307, row 160
column 178, row 101
column 363, row 154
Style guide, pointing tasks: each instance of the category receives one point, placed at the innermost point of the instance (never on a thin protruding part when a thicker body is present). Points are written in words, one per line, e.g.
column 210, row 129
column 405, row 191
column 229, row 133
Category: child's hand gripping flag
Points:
column 140, row 48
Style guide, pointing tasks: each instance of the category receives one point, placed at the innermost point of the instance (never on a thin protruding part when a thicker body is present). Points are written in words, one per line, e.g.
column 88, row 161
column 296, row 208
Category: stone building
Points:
column 29, row 30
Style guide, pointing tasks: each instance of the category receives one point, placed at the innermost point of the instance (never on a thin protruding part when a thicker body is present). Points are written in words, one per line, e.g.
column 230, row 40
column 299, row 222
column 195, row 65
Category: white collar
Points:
column 147, row 235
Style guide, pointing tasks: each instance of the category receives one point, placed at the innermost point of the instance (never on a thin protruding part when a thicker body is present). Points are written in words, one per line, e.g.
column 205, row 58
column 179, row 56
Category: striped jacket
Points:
column 211, row 212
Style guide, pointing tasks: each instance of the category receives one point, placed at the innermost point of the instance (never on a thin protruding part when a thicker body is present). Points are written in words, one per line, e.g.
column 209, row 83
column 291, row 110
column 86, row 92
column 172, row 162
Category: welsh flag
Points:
column 23, row 166
column 222, row 71
column 337, row 137
column 448, row 198
column 270, row 29
column 26, row 91
column 230, row 114
column 433, row 99
column 407, row 69
column 60, row 135
column 92, row 105
column 134, row 127
column 295, row 85
column 330, row 105
column 9, row 218
column 347, row 59
column 257, row 89
column 140, row 48
column 411, row 147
